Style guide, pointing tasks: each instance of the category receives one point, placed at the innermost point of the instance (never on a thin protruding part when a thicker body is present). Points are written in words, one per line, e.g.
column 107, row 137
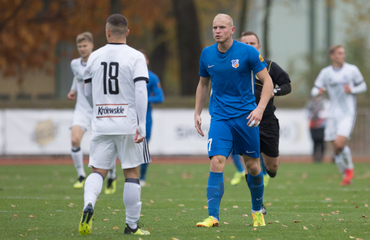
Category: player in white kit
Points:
column 83, row 112
column 342, row 81
column 115, row 85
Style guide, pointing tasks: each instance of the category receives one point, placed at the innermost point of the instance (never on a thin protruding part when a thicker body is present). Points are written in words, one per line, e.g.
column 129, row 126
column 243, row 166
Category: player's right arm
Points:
column 200, row 100
column 318, row 87
column 72, row 93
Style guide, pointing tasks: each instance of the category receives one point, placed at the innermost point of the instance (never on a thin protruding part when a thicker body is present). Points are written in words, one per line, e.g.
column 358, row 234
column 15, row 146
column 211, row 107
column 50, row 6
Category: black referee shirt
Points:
column 281, row 82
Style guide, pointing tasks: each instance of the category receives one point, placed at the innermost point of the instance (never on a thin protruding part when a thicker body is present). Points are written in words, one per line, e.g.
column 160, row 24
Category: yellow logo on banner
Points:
column 261, row 58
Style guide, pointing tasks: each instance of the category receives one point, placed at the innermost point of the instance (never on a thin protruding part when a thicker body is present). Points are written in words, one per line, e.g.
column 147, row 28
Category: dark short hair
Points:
column 117, row 24
column 84, row 36
column 249, row 33
column 334, row 48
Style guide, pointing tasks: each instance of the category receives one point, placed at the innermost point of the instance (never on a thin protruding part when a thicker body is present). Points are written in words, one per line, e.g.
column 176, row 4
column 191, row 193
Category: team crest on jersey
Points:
column 235, row 63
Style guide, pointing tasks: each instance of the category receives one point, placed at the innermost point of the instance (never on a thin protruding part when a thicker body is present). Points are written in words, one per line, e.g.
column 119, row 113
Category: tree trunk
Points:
column 189, row 44
column 266, row 25
column 159, row 54
column 243, row 15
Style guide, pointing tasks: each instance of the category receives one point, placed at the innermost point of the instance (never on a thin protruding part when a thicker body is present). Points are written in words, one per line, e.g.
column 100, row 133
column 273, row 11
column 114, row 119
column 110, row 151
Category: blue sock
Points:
column 237, row 162
column 263, row 167
column 143, row 170
column 256, row 187
column 215, row 191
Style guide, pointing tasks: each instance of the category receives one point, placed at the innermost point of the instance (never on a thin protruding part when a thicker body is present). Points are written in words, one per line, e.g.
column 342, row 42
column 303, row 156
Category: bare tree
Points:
column 266, row 26
column 189, row 44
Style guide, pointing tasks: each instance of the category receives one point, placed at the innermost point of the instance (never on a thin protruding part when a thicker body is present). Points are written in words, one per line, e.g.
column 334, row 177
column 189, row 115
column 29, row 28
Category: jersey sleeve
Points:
column 74, row 81
column 140, row 69
column 256, row 61
column 202, row 65
column 320, row 80
column 357, row 76
column 281, row 78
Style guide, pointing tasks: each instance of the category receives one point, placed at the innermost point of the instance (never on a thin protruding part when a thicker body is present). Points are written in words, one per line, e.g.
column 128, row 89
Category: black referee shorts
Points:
column 269, row 135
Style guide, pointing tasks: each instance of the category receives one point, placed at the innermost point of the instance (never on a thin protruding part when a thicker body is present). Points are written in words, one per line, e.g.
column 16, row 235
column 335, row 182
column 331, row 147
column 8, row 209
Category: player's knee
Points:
column 75, row 142
column 217, row 164
column 338, row 147
column 253, row 167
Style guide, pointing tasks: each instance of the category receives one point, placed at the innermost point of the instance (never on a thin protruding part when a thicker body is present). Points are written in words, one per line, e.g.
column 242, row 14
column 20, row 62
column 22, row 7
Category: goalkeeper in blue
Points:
column 230, row 66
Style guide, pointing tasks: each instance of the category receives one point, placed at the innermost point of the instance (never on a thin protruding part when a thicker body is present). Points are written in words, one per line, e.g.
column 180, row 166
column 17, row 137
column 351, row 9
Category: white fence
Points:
column 37, row 132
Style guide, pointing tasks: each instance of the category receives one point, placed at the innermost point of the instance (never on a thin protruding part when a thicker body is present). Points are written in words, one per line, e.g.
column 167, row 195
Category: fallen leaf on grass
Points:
column 329, row 205
column 180, row 205
column 269, row 223
column 22, row 235
column 52, row 215
column 148, row 204
column 225, row 209
column 234, row 237
column 141, row 215
column 170, row 200
column 157, row 219
column 327, row 199
column 218, row 237
column 151, row 201
column 13, row 205
column 341, row 219
column 366, row 205
column 277, row 221
column 183, row 210
column 116, row 210
column 344, row 230
column 174, row 238
column 268, row 204
column 115, row 227
column 254, row 229
column 284, row 225
column 32, row 215
column 185, row 175
column 322, row 214
column 67, row 197
column 323, row 219
column 345, row 200
column 364, row 216
column 105, row 220
column 205, row 207
column 235, row 207
column 304, row 228
column 334, row 213
column 226, row 223
column 217, row 230
column 245, row 215
column 351, row 237
column 296, row 221
column 296, row 206
column 298, row 215
column 114, row 213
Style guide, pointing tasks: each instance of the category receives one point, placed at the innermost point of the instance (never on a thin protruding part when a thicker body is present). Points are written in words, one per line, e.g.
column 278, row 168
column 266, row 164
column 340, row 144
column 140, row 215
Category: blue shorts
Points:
column 233, row 134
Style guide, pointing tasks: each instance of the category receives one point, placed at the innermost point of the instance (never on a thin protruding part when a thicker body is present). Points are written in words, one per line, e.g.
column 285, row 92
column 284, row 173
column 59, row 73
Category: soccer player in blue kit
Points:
column 155, row 95
column 230, row 66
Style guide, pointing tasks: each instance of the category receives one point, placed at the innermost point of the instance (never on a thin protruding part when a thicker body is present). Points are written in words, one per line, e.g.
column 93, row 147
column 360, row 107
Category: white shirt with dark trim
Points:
column 112, row 71
column 82, row 105
column 341, row 103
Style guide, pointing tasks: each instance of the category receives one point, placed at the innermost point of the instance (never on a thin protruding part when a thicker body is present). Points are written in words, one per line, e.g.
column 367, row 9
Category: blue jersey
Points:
column 155, row 94
column 232, row 79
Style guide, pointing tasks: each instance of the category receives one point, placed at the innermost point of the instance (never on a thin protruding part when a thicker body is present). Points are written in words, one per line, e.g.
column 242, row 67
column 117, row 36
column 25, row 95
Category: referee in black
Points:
column 269, row 126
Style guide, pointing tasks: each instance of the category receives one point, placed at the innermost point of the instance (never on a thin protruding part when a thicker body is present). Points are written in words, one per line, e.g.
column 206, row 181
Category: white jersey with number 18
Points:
column 113, row 71
column 342, row 104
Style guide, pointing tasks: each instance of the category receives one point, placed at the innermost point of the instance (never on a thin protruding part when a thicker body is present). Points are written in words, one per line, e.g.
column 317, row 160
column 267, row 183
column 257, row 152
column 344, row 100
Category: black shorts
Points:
column 269, row 136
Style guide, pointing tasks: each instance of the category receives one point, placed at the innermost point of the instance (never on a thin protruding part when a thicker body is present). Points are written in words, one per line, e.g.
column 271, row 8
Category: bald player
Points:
column 230, row 66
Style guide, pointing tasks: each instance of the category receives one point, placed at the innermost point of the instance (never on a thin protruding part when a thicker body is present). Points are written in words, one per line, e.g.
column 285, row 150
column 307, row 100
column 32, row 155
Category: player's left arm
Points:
column 156, row 93
column 281, row 78
column 359, row 85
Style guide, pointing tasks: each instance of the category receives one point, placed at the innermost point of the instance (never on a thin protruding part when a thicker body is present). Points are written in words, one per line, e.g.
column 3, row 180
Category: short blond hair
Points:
column 334, row 48
column 84, row 36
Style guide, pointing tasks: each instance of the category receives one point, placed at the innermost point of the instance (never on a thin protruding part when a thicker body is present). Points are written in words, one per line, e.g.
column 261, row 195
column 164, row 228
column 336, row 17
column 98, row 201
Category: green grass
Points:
column 174, row 202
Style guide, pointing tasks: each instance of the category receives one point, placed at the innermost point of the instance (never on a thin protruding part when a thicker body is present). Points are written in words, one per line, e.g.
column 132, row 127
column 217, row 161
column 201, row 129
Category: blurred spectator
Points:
column 317, row 116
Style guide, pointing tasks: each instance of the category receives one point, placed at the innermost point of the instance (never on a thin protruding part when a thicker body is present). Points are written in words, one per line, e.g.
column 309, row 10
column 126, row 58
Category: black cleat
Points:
column 263, row 208
column 137, row 231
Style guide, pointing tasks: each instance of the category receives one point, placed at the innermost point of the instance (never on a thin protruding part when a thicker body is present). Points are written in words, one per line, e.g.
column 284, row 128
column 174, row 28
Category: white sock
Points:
column 131, row 199
column 347, row 157
column 78, row 160
column 93, row 186
column 259, row 211
column 340, row 162
column 112, row 173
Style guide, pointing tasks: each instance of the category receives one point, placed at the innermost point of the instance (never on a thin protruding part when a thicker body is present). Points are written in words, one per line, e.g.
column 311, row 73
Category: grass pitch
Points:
column 304, row 201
